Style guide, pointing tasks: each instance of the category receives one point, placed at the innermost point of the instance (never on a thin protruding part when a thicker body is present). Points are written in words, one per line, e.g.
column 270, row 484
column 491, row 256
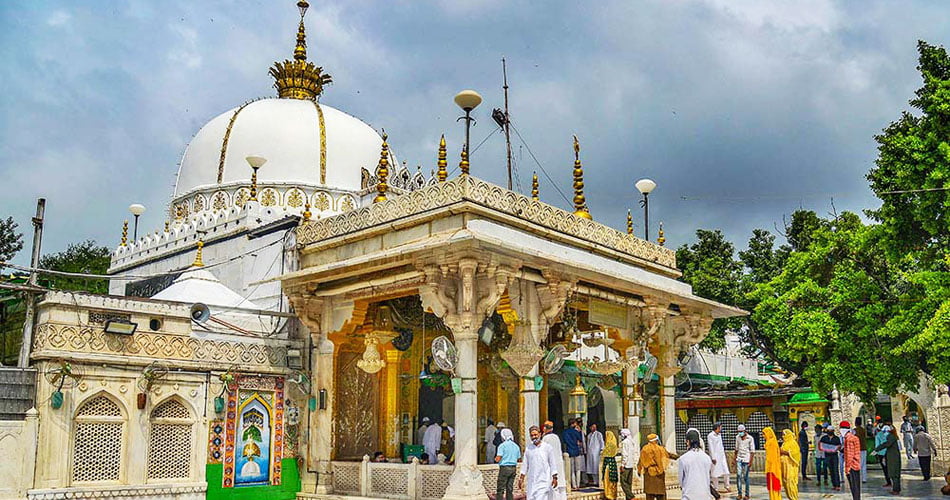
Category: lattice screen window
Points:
column 98, row 441
column 170, row 441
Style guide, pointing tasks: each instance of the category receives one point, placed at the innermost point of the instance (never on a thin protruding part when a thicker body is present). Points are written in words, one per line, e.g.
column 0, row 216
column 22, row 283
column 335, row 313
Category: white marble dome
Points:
column 287, row 132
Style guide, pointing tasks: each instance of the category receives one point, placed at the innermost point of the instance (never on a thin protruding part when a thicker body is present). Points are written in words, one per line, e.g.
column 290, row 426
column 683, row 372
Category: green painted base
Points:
column 287, row 490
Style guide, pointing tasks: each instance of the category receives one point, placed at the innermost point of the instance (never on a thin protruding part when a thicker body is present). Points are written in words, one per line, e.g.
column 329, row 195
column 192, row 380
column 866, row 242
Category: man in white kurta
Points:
column 554, row 443
column 717, row 453
column 421, row 431
column 431, row 441
column 538, row 470
column 695, row 466
column 595, row 445
column 490, row 431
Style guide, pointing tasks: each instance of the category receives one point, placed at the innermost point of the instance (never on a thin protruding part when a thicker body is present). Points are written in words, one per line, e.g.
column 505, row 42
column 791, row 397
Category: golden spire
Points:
column 661, row 239
column 629, row 222
column 580, row 204
column 253, row 185
column 382, row 171
column 299, row 79
column 443, row 172
column 166, row 226
column 306, row 212
column 198, row 262
column 534, row 185
column 125, row 233
column 463, row 165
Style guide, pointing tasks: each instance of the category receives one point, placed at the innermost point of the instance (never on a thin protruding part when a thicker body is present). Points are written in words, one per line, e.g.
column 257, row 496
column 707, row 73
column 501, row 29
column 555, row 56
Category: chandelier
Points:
column 605, row 367
column 523, row 354
column 371, row 362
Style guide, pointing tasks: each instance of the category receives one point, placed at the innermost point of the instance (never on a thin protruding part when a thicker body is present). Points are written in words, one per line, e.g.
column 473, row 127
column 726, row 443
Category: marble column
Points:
column 530, row 404
column 632, row 420
column 321, row 424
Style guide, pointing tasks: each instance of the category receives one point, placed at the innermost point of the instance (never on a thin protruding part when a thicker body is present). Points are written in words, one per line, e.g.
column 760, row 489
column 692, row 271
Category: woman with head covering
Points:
column 892, row 457
column 608, row 466
column 791, row 464
column 654, row 460
column 773, row 464
column 628, row 452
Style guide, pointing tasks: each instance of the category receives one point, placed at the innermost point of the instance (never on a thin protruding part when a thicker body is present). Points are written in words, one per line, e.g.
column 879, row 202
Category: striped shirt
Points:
column 852, row 452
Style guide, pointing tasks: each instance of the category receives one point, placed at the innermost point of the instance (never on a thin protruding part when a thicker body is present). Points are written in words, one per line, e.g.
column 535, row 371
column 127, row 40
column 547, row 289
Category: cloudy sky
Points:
column 741, row 111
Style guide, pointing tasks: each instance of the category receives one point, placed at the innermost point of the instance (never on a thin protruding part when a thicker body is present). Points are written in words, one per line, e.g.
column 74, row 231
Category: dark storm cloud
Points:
column 748, row 110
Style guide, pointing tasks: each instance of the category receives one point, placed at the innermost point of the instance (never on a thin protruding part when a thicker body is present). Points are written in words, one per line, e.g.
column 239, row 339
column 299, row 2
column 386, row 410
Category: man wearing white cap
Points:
column 745, row 450
column 421, row 432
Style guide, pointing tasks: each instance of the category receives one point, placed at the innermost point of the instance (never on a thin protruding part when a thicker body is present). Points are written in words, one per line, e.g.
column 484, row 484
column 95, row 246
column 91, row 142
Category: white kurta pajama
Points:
column 717, row 452
column 490, row 444
column 554, row 443
column 695, row 467
column 431, row 441
column 539, row 469
column 595, row 445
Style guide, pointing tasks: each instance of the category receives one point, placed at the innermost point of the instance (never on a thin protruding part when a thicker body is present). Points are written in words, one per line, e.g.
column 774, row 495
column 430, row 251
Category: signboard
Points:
column 605, row 313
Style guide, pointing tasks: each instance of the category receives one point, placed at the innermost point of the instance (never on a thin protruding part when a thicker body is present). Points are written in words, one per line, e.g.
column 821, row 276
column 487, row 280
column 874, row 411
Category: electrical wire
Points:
column 545, row 172
column 451, row 172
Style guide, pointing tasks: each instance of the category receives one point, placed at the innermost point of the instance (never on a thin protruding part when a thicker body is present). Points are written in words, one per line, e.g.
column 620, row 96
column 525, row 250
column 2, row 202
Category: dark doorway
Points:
column 430, row 402
column 595, row 411
column 555, row 411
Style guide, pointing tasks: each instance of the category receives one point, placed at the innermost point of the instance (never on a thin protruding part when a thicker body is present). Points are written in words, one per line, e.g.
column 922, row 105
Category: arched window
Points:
column 97, row 441
column 170, row 441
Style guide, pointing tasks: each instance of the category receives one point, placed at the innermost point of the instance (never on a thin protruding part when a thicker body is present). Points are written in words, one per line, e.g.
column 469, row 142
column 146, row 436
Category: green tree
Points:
column 709, row 265
column 85, row 257
column 11, row 241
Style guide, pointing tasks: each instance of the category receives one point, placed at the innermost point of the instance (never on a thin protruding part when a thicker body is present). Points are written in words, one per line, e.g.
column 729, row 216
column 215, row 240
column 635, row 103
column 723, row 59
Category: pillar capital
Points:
column 464, row 293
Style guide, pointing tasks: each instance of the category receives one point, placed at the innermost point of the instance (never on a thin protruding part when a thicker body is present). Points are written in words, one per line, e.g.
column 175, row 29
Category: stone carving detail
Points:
column 294, row 198
column 269, row 197
column 468, row 188
column 54, row 337
column 241, row 196
column 220, row 200
column 463, row 294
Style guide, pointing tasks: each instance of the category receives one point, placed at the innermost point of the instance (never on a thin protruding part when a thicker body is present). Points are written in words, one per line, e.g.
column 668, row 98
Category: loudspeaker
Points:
column 200, row 313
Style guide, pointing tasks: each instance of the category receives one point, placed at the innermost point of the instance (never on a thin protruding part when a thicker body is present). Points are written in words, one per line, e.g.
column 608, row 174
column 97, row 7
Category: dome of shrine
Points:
column 305, row 144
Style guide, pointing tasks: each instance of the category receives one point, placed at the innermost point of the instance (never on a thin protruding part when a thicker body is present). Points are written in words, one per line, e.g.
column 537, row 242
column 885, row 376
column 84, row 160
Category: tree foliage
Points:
column 11, row 241
column 709, row 265
column 85, row 257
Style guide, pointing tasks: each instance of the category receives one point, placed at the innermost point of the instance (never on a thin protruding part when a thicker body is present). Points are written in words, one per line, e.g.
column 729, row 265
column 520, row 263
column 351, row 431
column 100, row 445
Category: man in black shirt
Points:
column 803, row 446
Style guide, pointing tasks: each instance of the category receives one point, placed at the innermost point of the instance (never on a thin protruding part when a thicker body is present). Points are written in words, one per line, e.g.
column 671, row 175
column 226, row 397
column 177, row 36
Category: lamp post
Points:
column 255, row 162
column 468, row 100
column 645, row 186
column 137, row 210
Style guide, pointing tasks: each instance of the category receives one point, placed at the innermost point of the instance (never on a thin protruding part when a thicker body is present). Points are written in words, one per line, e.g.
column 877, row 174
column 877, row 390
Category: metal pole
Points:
column 135, row 228
column 24, row 359
column 504, row 72
column 646, row 216
column 468, row 126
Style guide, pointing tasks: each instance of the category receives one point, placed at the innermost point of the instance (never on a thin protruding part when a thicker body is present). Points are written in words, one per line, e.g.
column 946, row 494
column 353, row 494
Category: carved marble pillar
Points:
column 632, row 417
column 463, row 294
column 391, row 374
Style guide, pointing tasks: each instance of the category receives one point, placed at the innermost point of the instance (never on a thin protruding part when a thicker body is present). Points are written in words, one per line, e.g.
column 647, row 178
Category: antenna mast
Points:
column 504, row 72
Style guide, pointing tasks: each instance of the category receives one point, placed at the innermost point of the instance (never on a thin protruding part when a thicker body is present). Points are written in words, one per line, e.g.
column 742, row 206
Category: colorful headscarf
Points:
column 790, row 444
column 773, row 461
column 609, row 455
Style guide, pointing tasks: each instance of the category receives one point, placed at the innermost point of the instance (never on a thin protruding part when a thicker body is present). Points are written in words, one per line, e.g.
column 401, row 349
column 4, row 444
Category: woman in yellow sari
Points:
column 608, row 466
column 773, row 464
column 791, row 464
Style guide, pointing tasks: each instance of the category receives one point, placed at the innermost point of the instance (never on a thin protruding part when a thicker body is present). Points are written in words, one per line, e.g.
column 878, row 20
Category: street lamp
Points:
column 468, row 100
column 645, row 186
column 255, row 162
column 136, row 210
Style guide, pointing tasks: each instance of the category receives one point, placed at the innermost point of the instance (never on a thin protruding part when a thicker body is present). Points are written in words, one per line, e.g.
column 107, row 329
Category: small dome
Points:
column 290, row 134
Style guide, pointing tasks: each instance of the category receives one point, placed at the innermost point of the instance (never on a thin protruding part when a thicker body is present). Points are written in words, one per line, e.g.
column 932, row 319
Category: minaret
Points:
column 629, row 222
column 463, row 165
column 580, row 203
column 299, row 79
column 382, row 171
column 443, row 163
column 534, row 186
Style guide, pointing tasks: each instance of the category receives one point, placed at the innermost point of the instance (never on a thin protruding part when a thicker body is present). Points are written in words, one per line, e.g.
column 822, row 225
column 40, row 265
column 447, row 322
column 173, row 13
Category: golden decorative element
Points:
column 487, row 196
column 269, row 197
column 507, row 313
column 522, row 355
column 253, row 184
column 371, row 362
column 323, row 143
column 443, row 174
column 294, row 198
column 382, row 171
column 306, row 212
column 629, row 222
column 198, row 262
column 199, row 203
column 299, row 79
column 605, row 367
column 125, row 233
column 220, row 201
column 346, row 203
column 321, row 201
column 224, row 142
column 534, row 186
column 166, row 226
column 463, row 165
column 580, row 204
column 661, row 239
column 241, row 197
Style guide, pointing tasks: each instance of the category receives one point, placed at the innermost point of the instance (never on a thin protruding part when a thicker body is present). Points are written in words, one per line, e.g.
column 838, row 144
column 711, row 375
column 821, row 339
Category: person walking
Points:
column 821, row 472
column 791, row 463
column 862, row 434
column 627, row 452
column 608, row 466
column 831, row 445
column 554, row 444
column 654, row 460
column 803, row 442
column 539, row 471
column 717, row 452
column 926, row 452
column 695, row 467
column 507, row 457
column 907, row 431
column 773, row 464
column 892, row 457
column 852, row 458
column 879, row 438
column 745, row 450
column 595, row 445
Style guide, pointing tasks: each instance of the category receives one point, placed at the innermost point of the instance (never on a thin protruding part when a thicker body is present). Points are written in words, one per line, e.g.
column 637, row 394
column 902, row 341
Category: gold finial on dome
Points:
column 534, row 185
column 463, row 165
column 580, row 203
column 198, row 262
column 443, row 163
column 629, row 222
column 306, row 212
column 382, row 171
column 299, row 79
column 125, row 233
column 166, row 226
column 662, row 239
